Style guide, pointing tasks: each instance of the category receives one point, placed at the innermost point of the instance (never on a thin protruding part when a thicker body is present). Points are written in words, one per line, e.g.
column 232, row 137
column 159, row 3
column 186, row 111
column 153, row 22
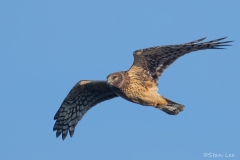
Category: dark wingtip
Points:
column 217, row 48
column 224, row 42
column 217, row 40
column 225, row 45
column 201, row 39
column 71, row 133
column 222, row 38
column 55, row 127
column 58, row 134
column 64, row 136
column 196, row 41
column 217, row 43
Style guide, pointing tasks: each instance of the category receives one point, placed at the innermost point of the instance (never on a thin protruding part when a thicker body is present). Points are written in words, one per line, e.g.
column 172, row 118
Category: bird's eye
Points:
column 114, row 77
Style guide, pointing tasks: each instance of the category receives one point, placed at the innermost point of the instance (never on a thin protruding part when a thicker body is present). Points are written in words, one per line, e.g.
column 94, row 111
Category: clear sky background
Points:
column 48, row 46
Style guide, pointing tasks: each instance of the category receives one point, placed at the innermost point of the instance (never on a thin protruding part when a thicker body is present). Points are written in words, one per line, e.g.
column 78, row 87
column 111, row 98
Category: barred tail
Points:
column 171, row 108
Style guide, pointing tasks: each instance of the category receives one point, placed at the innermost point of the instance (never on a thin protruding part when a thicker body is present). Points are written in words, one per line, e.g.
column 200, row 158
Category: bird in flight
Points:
column 138, row 85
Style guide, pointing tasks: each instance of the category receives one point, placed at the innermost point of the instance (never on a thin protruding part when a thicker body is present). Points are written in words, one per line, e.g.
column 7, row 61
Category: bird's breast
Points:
column 138, row 92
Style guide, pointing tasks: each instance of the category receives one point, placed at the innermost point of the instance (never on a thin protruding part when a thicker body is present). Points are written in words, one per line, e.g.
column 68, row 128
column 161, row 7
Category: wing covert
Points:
column 151, row 62
column 83, row 96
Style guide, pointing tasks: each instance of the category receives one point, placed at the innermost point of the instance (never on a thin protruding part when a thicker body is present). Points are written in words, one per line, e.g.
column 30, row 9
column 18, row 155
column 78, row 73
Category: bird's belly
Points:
column 146, row 97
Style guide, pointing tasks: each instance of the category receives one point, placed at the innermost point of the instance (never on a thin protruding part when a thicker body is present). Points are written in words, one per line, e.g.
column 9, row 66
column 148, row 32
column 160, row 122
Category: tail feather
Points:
column 172, row 108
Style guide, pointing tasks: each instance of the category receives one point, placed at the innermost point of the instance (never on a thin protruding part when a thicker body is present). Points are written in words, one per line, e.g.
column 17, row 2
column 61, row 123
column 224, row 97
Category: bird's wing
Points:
column 84, row 95
column 151, row 62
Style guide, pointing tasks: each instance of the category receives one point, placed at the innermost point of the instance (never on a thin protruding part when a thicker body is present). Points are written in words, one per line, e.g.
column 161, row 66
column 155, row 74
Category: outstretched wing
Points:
column 151, row 62
column 83, row 96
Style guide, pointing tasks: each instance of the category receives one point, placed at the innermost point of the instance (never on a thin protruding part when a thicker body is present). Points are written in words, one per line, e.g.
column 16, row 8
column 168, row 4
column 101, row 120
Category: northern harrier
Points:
column 138, row 84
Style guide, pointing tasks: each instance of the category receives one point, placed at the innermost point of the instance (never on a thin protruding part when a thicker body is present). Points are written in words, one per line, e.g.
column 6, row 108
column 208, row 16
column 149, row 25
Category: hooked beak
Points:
column 109, row 80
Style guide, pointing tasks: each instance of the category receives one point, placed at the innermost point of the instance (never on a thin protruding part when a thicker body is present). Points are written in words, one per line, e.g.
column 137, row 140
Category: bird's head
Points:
column 115, row 79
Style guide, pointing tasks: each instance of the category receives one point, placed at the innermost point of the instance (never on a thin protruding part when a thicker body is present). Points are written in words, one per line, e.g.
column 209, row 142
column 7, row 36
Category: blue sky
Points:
column 47, row 46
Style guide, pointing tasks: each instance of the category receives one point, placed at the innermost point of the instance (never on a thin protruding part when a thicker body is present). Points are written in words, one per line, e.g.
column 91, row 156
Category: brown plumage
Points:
column 138, row 84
